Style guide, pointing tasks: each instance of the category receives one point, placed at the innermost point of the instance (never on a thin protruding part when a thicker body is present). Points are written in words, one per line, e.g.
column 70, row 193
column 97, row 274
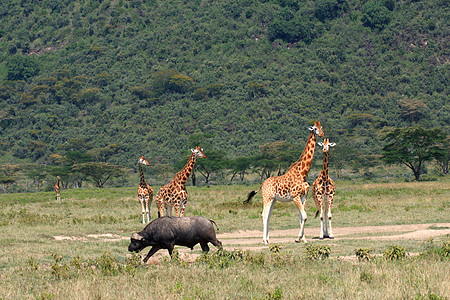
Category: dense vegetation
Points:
column 109, row 80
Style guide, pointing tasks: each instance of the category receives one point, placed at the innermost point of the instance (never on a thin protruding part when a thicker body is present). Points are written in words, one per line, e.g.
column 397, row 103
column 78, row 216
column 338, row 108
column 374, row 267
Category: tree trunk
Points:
column 194, row 178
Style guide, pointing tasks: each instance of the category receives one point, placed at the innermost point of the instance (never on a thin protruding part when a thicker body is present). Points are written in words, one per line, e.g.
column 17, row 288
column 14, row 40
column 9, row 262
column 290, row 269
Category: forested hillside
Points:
column 113, row 79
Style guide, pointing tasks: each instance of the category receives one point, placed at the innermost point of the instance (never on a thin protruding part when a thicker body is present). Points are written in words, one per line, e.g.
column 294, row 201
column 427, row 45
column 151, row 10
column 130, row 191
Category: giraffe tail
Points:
column 250, row 196
column 212, row 222
column 317, row 213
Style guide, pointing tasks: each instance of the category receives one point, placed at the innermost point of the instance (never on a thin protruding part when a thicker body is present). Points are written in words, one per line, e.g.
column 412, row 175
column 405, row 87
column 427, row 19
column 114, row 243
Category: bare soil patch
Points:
column 252, row 239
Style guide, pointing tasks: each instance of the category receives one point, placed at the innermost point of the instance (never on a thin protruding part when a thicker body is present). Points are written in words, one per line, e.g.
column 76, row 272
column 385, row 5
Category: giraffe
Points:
column 323, row 192
column 145, row 192
column 57, row 188
column 174, row 193
column 291, row 186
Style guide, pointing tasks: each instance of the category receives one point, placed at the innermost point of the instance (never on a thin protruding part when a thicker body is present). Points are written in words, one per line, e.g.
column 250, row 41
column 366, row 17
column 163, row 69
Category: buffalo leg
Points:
column 151, row 252
column 205, row 247
column 170, row 249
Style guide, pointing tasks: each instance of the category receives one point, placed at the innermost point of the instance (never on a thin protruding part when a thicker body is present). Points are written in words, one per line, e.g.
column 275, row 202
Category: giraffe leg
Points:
column 267, row 211
column 141, row 199
column 183, row 207
column 169, row 210
column 330, row 231
column 160, row 204
column 177, row 209
column 300, row 200
column 317, row 197
column 326, row 230
column 320, row 202
column 302, row 218
column 183, row 201
column 147, row 208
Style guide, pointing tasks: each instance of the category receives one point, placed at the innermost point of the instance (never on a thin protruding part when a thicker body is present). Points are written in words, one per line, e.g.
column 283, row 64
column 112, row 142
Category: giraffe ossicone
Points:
column 174, row 194
column 145, row 192
column 291, row 186
column 323, row 193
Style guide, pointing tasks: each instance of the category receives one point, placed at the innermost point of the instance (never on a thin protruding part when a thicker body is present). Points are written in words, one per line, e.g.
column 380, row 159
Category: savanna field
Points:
column 77, row 248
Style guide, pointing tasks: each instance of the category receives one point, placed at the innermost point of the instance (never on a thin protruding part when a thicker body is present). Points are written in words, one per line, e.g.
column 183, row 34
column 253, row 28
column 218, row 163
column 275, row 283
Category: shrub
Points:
column 316, row 252
column 363, row 254
column 329, row 9
column 445, row 249
column 21, row 68
column 366, row 277
column 32, row 264
column 276, row 294
column 223, row 259
column 275, row 248
column 395, row 252
column 107, row 264
column 375, row 15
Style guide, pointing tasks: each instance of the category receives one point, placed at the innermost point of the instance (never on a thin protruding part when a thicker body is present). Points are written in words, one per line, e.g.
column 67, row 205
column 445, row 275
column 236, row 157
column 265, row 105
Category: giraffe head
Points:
column 326, row 145
column 317, row 129
column 143, row 161
column 198, row 152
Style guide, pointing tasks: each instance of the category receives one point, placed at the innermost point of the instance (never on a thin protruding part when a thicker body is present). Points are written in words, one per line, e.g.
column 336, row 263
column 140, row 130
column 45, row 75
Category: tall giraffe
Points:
column 174, row 193
column 291, row 186
column 145, row 192
column 57, row 188
column 323, row 192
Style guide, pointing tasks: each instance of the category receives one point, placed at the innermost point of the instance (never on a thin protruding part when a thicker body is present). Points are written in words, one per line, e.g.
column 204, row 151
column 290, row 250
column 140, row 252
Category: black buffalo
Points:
column 166, row 232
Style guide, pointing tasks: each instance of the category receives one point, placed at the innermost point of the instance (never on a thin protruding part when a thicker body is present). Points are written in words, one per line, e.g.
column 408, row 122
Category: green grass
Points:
column 34, row 265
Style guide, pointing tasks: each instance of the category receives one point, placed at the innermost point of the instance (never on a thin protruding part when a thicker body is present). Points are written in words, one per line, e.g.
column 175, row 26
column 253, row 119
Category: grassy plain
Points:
column 90, row 260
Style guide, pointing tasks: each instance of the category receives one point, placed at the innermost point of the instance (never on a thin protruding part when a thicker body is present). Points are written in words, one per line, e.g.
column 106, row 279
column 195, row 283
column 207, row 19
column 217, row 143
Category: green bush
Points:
column 395, row 252
column 363, row 254
column 21, row 68
column 315, row 252
column 375, row 15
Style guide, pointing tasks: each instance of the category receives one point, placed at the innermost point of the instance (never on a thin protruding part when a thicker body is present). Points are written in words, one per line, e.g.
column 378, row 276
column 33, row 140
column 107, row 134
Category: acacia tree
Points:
column 239, row 166
column 441, row 152
column 411, row 146
column 100, row 172
column 275, row 157
column 215, row 162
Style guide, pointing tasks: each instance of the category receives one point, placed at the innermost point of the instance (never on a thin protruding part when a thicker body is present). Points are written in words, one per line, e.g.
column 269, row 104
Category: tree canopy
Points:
column 411, row 147
column 106, row 81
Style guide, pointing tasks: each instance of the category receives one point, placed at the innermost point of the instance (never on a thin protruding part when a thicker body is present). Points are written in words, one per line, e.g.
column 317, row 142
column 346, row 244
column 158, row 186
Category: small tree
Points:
column 214, row 163
column 100, row 172
column 239, row 166
column 21, row 68
column 411, row 146
column 441, row 153
column 6, row 181
column 375, row 14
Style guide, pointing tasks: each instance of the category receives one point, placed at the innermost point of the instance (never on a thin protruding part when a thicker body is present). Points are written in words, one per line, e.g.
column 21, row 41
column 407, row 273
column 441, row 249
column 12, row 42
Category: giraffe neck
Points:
column 58, row 183
column 303, row 164
column 142, row 182
column 325, row 166
column 183, row 176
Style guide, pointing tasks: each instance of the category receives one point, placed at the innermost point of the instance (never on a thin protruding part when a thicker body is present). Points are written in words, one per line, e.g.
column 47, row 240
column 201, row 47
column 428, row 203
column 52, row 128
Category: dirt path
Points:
column 393, row 232
column 252, row 239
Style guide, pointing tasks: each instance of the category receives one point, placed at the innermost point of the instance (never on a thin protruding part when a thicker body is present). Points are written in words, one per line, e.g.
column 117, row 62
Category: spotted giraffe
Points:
column 57, row 188
column 291, row 186
column 145, row 192
column 323, row 193
column 174, row 193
